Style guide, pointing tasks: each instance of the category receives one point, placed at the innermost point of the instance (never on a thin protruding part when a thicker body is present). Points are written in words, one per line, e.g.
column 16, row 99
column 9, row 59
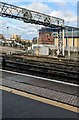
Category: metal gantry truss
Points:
column 29, row 16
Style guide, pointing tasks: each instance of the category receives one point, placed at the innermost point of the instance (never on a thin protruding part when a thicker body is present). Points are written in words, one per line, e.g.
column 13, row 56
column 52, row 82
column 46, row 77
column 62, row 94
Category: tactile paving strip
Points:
column 50, row 94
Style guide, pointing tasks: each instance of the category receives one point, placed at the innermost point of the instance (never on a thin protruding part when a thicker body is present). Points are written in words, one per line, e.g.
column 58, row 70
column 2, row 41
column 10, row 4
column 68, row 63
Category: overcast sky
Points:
column 66, row 10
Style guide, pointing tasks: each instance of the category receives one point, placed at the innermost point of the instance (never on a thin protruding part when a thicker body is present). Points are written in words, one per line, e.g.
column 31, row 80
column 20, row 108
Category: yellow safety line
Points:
column 41, row 99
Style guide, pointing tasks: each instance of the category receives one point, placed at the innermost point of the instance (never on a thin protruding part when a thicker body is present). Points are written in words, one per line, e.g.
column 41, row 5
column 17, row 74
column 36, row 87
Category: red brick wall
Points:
column 46, row 38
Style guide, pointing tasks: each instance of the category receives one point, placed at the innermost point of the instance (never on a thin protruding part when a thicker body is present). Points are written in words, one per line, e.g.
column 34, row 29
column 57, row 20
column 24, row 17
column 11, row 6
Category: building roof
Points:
column 68, row 31
column 70, row 34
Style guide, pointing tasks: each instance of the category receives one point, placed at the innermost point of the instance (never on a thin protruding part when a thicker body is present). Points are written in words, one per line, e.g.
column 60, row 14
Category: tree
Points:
column 23, row 42
column 35, row 40
column 28, row 44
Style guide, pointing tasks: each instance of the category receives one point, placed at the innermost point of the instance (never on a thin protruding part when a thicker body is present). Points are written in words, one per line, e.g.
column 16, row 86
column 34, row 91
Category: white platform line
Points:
column 47, row 79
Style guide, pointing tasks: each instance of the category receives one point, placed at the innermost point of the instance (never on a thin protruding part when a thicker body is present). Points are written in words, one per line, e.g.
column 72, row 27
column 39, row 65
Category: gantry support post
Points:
column 60, row 51
column 63, row 43
column 72, row 39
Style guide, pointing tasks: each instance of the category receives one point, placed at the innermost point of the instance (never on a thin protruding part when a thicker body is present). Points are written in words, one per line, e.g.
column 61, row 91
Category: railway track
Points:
column 65, row 71
column 47, row 59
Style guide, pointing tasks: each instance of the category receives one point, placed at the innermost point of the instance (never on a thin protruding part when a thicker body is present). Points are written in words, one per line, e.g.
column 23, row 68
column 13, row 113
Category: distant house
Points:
column 16, row 37
column 2, row 36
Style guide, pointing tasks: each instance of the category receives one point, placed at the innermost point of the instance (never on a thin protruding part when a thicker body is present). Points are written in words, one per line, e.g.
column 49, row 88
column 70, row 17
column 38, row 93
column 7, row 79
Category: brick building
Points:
column 50, row 37
column 45, row 36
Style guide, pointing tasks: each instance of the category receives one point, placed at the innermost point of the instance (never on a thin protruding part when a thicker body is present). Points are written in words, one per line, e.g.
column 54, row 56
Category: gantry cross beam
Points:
column 29, row 16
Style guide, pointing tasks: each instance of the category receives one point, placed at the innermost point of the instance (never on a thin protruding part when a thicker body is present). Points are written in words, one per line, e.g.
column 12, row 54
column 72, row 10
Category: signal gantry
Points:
column 29, row 16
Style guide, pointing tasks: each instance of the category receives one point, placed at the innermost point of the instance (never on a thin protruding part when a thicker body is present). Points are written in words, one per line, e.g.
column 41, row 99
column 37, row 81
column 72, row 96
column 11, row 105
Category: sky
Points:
column 65, row 9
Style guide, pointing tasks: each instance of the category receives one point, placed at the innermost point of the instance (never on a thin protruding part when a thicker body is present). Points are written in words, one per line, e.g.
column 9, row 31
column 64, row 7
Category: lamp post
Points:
column 7, row 31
